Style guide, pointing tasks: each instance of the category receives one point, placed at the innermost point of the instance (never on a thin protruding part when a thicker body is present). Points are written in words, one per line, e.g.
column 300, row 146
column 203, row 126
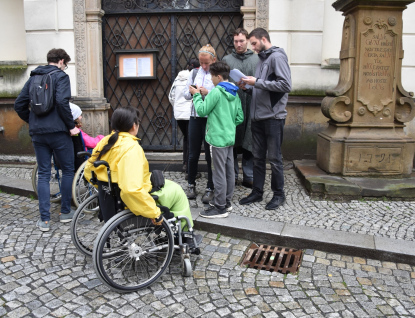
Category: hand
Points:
column 250, row 80
column 203, row 91
column 193, row 90
column 166, row 212
column 241, row 85
column 157, row 221
column 74, row 131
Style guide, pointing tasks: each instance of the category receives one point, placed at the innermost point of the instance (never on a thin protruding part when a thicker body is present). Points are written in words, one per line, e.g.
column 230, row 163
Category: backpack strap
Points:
column 194, row 74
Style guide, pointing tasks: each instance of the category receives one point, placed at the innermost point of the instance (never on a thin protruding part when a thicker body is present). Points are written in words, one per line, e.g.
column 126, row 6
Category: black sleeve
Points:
column 21, row 105
column 63, row 94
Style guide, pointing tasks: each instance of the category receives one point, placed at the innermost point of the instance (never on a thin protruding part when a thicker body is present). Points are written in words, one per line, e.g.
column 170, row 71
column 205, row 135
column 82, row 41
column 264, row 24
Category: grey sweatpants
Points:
column 223, row 174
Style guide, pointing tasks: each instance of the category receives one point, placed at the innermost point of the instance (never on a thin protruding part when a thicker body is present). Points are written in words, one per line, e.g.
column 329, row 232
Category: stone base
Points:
column 365, row 151
column 322, row 185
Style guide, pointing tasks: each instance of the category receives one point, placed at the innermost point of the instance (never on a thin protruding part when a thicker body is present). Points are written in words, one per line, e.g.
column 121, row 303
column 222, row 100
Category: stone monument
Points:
column 368, row 107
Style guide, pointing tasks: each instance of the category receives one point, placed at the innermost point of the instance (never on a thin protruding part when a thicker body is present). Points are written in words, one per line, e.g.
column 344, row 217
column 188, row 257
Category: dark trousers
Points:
column 197, row 128
column 267, row 135
column 184, row 127
column 60, row 144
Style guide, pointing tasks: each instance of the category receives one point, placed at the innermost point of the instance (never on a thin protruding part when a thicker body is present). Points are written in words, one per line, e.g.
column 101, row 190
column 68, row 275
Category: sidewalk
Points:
column 382, row 230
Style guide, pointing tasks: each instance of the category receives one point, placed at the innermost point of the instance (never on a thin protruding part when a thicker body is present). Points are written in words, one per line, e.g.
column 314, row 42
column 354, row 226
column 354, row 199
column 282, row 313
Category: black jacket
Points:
column 60, row 118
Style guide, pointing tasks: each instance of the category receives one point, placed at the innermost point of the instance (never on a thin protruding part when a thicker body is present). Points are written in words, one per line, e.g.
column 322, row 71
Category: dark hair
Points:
column 240, row 31
column 193, row 63
column 259, row 33
column 55, row 55
column 122, row 120
column 220, row 68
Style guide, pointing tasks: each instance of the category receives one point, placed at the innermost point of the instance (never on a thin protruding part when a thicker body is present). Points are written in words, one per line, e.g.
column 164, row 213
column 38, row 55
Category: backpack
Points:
column 41, row 93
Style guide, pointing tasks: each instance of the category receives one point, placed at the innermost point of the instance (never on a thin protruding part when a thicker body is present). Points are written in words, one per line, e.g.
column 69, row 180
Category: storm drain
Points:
column 273, row 258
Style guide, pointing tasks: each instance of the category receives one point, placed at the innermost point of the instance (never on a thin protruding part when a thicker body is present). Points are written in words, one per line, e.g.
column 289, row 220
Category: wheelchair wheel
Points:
column 82, row 189
column 131, row 253
column 186, row 267
column 85, row 226
column 54, row 183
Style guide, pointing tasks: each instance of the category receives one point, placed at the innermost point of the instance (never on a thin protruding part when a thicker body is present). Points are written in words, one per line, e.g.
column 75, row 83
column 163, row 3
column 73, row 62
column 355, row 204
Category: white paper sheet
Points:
column 129, row 67
column 236, row 75
column 144, row 66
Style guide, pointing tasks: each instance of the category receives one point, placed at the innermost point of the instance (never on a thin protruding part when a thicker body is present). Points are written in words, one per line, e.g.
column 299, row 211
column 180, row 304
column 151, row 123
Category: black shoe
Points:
column 253, row 197
column 189, row 240
column 191, row 192
column 212, row 212
column 275, row 203
column 228, row 205
column 247, row 184
column 208, row 196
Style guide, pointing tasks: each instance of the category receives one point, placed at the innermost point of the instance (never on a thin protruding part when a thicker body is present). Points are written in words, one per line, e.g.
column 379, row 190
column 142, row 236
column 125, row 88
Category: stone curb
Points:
column 303, row 237
column 281, row 234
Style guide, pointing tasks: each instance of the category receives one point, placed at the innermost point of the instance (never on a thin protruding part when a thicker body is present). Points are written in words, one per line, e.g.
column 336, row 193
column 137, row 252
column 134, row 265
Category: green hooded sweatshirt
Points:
column 224, row 113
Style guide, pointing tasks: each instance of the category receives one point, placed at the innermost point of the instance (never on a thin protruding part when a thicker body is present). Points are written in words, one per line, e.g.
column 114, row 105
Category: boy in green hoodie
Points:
column 223, row 108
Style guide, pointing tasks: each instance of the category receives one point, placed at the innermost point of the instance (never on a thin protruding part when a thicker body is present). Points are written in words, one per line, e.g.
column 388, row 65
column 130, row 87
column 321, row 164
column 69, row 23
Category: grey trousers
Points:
column 223, row 174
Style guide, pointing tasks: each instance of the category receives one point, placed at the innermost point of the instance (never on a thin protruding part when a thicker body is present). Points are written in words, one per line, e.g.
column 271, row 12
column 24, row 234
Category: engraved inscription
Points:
column 376, row 71
column 372, row 159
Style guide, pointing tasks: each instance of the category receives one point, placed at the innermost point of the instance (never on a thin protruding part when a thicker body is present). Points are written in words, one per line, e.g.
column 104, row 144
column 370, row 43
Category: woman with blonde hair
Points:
column 201, row 78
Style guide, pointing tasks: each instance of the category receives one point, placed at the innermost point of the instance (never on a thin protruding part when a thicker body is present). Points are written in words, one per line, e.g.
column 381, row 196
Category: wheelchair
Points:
column 129, row 252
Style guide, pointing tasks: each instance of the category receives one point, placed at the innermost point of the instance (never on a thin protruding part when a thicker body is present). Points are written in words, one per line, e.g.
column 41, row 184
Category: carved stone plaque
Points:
column 372, row 159
column 377, row 69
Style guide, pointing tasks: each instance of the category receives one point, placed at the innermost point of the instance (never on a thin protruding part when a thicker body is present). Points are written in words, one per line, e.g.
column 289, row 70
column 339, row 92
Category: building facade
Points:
column 96, row 33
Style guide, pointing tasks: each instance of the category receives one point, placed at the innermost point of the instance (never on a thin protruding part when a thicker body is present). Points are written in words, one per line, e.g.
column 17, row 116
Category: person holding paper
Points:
column 245, row 61
column 271, row 85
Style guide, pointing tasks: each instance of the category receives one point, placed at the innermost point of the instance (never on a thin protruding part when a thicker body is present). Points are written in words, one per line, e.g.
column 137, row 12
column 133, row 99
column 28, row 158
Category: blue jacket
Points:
column 60, row 118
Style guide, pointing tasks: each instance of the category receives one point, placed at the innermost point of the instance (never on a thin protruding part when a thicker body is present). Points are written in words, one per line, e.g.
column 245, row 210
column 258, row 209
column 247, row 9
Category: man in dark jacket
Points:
column 271, row 85
column 51, row 133
column 244, row 60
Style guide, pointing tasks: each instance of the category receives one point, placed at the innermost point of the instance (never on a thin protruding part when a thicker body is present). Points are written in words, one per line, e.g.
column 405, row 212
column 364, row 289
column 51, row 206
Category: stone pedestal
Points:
column 368, row 108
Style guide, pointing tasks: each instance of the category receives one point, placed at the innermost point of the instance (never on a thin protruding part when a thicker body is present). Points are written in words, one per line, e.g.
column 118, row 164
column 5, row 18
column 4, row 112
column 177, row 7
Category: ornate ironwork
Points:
column 178, row 39
column 170, row 6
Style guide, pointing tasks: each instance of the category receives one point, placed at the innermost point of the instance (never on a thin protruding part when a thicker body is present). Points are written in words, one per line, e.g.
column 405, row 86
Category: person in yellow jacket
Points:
column 128, row 164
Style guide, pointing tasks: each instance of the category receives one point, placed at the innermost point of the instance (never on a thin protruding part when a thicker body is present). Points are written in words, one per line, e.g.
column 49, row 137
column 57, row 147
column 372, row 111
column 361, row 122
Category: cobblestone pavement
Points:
column 43, row 275
column 392, row 219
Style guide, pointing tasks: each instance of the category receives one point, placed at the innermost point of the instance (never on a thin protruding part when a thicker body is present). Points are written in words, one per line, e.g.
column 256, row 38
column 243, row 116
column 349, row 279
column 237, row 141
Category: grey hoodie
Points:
column 270, row 93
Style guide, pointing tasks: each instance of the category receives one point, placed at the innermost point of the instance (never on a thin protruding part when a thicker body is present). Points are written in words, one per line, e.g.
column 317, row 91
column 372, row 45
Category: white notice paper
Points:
column 144, row 66
column 236, row 75
column 130, row 67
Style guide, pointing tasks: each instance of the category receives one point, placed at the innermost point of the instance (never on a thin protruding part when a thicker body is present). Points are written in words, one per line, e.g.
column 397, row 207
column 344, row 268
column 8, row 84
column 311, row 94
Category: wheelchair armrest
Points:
column 101, row 162
column 83, row 154
column 155, row 197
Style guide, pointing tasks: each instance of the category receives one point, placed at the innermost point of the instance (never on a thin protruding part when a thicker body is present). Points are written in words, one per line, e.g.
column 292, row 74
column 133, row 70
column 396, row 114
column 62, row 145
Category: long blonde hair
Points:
column 208, row 50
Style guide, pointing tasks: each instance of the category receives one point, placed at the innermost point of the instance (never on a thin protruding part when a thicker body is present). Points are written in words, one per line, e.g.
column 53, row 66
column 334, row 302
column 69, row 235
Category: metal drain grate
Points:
column 273, row 258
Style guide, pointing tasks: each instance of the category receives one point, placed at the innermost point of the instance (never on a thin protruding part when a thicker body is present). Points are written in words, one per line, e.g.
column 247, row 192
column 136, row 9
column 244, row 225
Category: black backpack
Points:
column 41, row 93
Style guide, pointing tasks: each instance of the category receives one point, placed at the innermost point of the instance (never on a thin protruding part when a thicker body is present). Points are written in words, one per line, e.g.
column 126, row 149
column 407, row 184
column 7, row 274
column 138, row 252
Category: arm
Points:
column 204, row 108
column 131, row 182
column 21, row 105
column 90, row 142
column 240, row 113
column 189, row 82
column 282, row 82
column 172, row 94
column 62, row 96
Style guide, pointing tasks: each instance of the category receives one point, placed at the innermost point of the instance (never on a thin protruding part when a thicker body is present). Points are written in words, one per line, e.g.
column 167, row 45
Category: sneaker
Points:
column 66, row 217
column 44, row 226
column 212, row 212
column 191, row 192
column 189, row 240
column 208, row 196
column 253, row 197
column 228, row 205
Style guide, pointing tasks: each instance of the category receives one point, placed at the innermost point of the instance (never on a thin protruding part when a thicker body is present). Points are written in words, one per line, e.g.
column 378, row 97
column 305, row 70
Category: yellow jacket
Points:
column 129, row 168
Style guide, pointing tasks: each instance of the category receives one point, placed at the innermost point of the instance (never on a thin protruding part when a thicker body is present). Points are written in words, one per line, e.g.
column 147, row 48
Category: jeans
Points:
column 60, row 144
column 184, row 127
column 267, row 135
column 247, row 165
column 197, row 128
